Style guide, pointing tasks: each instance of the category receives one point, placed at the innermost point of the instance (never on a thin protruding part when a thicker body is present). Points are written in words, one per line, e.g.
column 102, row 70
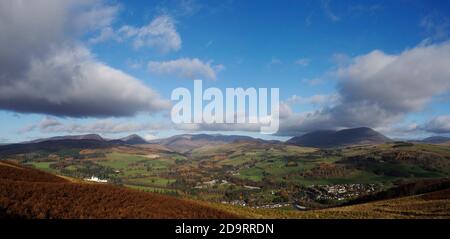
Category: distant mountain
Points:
column 57, row 143
column 186, row 142
column 436, row 140
column 133, row 139
column 53, row 146
column 69, row 137
column 329, row 138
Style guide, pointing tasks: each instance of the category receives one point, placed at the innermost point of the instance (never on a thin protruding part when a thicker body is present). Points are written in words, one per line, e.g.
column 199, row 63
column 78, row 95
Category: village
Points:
column 342, row 192
column 242, row 203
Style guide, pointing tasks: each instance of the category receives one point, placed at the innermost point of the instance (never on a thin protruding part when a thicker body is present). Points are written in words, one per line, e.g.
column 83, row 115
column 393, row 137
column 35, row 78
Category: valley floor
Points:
column 30, row 193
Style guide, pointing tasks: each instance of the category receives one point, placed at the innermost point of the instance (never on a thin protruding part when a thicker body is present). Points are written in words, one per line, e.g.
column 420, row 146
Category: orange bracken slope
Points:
column 30, row 193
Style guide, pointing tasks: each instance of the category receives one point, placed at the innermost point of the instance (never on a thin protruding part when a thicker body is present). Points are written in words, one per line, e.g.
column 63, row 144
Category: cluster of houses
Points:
column 236, row 203
column 272, row 206
column 343, row 191
column 211, row 183
column 244, row 204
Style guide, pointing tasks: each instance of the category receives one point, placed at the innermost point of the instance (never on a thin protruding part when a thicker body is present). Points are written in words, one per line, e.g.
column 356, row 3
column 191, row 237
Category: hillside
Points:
column 328, row 138
column 69, row 137
column 436, row 140
column 186, row 142
column 433, row 205
column 255, row 173
column 53, row 146
column 133, row 139
column 29, row 193
column 58, row 143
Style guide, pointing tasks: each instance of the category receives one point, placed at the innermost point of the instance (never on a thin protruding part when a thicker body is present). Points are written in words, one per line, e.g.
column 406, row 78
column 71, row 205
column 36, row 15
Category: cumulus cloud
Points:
column 438, row 125
column 186, row 68
column 104, row 126
column 94, row 15
column 285, row 112
column 397, row 83
column 44, row 69
column 378, row 89
column 160, row 33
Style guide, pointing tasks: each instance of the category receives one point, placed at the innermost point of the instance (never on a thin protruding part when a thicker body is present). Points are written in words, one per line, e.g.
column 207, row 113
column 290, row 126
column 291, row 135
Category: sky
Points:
column 109, row 67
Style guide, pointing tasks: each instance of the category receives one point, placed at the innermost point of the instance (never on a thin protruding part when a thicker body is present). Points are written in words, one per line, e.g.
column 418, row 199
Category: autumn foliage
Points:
column 29, row 193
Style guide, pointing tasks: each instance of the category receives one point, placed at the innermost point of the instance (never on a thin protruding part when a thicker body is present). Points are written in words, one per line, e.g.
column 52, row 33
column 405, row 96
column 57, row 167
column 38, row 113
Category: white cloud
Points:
column 149, row 137
column 105, row 34
column 160, row 34
column 378, row 90
column 362, row 9
column 319, row 99
column 134, row 64
column 104, row 126
column 329, row 12
column 303, row 62
column 274, row 61
column 436, row 25
column 375, row 90
column 49, row 122
column 340, row 59
column 186, row 68
column 397, row 83
column 94, row 15
column 313, row 82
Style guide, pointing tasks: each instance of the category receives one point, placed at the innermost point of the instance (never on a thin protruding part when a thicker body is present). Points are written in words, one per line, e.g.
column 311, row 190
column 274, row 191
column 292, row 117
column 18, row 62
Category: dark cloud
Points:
column 44, row 69
column 438, row 125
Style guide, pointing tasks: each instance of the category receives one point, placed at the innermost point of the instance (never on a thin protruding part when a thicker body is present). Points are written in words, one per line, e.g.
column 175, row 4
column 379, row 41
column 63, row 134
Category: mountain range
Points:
column 436, row 140
column 187, row 142
column 131, row 139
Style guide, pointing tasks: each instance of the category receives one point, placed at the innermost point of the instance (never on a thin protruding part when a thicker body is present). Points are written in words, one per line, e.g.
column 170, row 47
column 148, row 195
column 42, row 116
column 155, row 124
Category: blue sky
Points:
column 317, row 53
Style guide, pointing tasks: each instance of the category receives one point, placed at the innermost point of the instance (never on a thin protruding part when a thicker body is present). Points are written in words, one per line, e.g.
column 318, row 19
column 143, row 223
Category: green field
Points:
column 258, row 173
column 43, row 166
column 254, row 174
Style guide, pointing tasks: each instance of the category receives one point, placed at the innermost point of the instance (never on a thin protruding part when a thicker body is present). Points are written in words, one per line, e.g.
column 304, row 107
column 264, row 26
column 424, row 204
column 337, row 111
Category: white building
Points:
column 95, row 179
